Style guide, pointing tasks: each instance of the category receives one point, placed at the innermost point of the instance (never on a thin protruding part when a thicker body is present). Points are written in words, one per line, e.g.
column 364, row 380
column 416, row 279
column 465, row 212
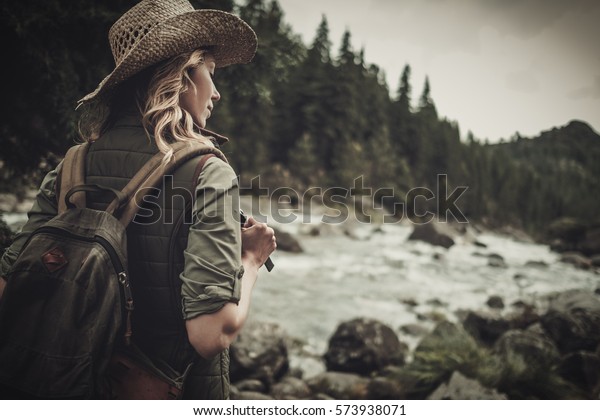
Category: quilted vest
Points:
column 155, row 253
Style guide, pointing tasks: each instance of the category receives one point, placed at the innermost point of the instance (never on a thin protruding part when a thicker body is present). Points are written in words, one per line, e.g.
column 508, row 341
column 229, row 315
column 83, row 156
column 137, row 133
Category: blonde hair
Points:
column 155, row 93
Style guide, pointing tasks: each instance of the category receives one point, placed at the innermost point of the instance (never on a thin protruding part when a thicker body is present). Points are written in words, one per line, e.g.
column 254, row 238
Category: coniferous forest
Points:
column 299, row 115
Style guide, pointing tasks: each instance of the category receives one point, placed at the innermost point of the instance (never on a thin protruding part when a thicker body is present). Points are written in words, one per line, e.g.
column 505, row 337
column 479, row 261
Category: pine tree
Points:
column 404, row 91
column 426, row 105
column 403, row 129
column 346, row 55
column 321, row 46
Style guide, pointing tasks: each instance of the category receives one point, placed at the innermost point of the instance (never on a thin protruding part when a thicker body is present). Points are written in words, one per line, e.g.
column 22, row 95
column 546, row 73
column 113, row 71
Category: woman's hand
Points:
column 258, row 242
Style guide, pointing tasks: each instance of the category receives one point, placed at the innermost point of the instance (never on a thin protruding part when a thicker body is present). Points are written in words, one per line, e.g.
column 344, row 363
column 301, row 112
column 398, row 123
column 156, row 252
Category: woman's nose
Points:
column 215, row 95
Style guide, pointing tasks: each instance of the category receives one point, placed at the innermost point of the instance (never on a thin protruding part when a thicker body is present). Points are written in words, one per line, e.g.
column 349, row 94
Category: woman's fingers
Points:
column 258, row 240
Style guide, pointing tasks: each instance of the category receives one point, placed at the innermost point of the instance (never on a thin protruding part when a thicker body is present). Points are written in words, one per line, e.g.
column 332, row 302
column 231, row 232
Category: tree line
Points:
column 299, row 115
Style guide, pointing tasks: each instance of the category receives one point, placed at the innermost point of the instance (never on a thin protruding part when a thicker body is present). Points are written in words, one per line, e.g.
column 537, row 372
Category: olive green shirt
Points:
column 213, row 267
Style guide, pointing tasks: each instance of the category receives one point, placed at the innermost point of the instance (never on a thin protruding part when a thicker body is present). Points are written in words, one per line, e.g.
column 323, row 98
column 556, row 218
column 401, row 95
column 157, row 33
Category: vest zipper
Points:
column 119, row 269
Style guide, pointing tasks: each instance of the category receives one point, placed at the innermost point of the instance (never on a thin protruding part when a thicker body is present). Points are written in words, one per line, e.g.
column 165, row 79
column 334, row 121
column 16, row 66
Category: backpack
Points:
column 67, row 305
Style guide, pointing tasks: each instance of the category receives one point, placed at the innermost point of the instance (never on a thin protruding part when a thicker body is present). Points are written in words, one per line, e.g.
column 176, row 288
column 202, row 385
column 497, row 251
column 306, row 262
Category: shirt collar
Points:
column 220, row 140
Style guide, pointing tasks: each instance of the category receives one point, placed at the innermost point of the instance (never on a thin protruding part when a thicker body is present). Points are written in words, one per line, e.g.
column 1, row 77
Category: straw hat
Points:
column 154, row 30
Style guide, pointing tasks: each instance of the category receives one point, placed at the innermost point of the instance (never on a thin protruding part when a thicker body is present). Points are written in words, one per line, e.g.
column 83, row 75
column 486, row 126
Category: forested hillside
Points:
column 552, row 176
column 299, row 115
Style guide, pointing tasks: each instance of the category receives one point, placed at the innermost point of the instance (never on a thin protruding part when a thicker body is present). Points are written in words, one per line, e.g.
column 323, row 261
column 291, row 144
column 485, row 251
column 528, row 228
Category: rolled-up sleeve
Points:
column 213, row 257
column 44, row 208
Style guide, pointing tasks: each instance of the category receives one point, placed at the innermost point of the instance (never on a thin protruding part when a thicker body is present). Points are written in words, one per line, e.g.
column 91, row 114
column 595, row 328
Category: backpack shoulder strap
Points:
column 72, row 174
column 151, row 174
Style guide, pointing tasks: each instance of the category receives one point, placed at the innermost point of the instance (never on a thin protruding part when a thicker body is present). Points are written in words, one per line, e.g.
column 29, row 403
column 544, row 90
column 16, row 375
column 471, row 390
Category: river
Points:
column 384, row 276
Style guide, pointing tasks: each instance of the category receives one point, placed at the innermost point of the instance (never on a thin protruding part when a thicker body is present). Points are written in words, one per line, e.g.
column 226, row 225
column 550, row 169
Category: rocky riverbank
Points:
column 426, row 311
column 548, row 350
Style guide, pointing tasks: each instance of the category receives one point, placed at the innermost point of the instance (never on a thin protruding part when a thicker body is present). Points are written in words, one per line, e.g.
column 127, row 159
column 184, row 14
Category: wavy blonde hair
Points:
column 155, row 93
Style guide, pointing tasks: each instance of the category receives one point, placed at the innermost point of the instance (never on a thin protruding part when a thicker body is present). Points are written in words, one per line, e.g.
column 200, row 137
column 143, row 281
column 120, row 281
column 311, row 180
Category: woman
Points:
column 192, row 279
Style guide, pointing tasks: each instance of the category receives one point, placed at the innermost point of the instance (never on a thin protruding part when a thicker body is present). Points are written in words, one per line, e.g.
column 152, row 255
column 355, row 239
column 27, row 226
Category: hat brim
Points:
column 229, row 38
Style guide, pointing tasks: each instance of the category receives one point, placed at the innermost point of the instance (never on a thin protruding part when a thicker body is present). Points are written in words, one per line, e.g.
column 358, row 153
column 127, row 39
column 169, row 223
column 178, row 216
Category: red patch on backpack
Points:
column 54, row 260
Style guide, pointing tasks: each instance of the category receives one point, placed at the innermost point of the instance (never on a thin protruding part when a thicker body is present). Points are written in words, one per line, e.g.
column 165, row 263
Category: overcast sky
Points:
column 495, row 66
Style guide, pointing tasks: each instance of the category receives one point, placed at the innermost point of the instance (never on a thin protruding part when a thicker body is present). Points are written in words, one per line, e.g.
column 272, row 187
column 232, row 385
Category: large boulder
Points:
column 291, row 388
column 529, row 362
column 363, row 346
column 525, row 353
column 260, row 352
column 446, row 349
column 433, row 234
column 573, row 321
column 485, row 327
